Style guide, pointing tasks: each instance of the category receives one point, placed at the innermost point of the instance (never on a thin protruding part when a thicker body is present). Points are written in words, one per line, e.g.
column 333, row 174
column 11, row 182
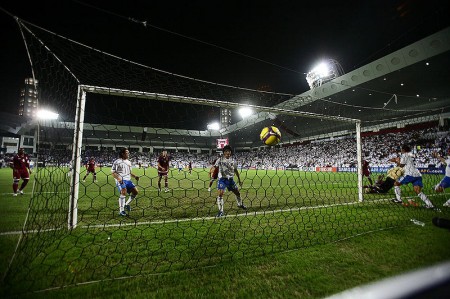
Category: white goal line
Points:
column 196, row 219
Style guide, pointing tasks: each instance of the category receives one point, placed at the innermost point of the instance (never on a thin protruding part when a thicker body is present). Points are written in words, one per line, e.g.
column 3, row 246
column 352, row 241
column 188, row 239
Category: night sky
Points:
column 266, row 45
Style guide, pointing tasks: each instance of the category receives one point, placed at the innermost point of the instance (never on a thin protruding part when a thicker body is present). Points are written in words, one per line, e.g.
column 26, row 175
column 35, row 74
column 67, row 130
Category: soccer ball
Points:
column 270, row 135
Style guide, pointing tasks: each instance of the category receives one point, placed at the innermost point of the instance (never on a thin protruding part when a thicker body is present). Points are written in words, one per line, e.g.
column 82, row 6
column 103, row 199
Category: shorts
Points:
column 225, row 183
column 445, row 183
column 415, row 180
column 162, row 173
column 21, row 174
column 125, row 184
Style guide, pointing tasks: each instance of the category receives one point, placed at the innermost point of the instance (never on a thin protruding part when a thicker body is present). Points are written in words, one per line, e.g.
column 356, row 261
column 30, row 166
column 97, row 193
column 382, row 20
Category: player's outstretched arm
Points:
column 236, row 172
column 117, row 177
column 136, row 177
column 437, row 156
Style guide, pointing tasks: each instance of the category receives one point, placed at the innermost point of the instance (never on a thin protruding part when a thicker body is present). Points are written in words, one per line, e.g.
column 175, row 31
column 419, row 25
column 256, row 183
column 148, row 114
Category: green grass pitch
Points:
column 177, row 230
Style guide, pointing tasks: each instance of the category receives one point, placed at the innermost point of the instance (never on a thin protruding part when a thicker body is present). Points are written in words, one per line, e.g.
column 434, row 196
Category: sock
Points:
column 24, row 183
column 220, row 203
column 15, row 186
column 130, row 199
column 398, row 193
column 239, row 201
column 425, row 199
column 121, row 202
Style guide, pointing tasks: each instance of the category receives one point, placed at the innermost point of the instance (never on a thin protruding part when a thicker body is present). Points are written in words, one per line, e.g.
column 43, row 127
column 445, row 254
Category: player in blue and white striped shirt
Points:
column 412, row 176
column 227, row 169
column 121, row 171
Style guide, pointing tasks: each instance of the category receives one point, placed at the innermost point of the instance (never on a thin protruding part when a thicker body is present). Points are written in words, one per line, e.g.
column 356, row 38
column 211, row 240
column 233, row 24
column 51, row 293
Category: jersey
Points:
column 227, row 167
column 90, row 166
column 21, row 163
column 20, row 167
column 395, row 173
column 163, row 164
column 410, row 167
column 122, row 168
column 365, row 168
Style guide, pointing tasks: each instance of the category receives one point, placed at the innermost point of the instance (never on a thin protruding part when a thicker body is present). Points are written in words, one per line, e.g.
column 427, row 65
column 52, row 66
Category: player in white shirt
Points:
column 445, row 182
column 412, row 176
column 121, row 171
column 227, row 169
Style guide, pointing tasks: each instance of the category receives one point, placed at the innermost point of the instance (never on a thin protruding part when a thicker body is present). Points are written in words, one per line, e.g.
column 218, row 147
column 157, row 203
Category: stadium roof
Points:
column 405, row 87
column 10, row 124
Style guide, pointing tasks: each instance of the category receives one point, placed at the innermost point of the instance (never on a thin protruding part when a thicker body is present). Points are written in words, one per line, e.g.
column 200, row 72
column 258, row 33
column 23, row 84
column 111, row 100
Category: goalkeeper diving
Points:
column 384, row 185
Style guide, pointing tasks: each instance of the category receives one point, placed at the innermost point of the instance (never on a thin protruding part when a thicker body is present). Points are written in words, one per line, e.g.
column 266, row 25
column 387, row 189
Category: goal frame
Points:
column 83, row 90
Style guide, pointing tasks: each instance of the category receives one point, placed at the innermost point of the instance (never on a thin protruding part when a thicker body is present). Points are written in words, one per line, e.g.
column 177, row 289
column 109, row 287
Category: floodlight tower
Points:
column 29, row 98
column 324, row 72
column 225, row 117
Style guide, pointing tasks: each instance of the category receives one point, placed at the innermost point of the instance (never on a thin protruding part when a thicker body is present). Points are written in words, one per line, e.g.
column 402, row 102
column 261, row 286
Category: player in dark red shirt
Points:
column 366, row 171
column 90, row 168
column 163, row 170
column 21, row 170
column 213, row 173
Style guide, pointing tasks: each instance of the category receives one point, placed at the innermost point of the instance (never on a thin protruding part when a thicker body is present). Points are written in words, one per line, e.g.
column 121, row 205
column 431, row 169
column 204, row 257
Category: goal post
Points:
column 359, row 160
column 76, row 159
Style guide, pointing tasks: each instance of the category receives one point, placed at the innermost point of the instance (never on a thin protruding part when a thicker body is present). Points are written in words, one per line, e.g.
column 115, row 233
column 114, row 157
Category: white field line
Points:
column 256, row 213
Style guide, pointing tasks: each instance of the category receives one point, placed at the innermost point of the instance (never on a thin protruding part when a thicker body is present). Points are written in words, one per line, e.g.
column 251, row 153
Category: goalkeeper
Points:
column 383, row 186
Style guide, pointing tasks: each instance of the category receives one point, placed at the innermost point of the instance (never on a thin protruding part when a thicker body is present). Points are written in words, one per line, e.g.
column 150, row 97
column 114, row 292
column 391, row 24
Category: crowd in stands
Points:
column 341, row 152
column 336, row 152
column 333, row 152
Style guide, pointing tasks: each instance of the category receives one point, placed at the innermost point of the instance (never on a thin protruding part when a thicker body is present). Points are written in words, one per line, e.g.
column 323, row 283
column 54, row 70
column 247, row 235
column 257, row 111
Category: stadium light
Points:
column 213, row 126
column 324, row 72
column 245, row 112
column 46, row 114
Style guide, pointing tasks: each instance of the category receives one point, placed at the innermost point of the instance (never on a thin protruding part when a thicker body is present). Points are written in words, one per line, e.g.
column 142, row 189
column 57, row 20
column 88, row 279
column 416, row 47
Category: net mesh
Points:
column 300, row 193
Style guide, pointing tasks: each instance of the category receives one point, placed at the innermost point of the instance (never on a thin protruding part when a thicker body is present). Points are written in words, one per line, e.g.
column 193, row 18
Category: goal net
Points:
column 307, row 190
